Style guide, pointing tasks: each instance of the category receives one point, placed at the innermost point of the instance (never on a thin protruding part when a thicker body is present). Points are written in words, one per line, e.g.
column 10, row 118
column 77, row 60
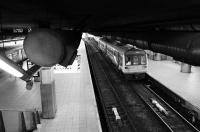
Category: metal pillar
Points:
column 163, row 57
column 150, row 54
column 48, row 96
column 157, row 56
column 169, row 58
column 185, row 68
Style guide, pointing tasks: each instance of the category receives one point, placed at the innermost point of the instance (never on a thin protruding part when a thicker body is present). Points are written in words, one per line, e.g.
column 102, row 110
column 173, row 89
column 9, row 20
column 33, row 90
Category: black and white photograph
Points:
column 100, row 66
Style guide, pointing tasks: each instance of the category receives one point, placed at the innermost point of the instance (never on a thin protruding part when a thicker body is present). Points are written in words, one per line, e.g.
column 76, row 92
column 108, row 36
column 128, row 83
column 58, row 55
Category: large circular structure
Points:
column 44, row 47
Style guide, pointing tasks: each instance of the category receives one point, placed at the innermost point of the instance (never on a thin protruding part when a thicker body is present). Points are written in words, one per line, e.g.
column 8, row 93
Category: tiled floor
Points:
column 186, row 85
column 13, row 94
column 76, row 105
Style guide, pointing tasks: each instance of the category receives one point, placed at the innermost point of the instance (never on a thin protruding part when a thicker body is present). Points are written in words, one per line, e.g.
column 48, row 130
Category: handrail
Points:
column 19, row 110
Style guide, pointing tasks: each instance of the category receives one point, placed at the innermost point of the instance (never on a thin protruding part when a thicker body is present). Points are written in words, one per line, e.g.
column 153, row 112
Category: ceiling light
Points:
column 4, row 65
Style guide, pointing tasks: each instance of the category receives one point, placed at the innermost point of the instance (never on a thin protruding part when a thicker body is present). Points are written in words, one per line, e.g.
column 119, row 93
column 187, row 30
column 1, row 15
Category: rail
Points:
column 172, row 119
column 191, row 125
column 135, row 111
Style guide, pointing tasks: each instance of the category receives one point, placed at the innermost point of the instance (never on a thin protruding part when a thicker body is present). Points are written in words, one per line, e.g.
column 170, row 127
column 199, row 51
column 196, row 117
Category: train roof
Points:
column 110, row 41
column 121, row 47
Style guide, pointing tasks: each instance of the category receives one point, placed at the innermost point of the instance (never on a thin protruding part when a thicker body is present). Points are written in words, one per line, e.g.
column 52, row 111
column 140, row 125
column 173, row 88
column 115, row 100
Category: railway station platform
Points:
column 184, row 85
column 76, row 105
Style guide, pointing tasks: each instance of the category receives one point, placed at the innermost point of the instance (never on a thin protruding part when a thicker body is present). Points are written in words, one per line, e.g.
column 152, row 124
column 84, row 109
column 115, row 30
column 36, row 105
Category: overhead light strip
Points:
column 8, row 68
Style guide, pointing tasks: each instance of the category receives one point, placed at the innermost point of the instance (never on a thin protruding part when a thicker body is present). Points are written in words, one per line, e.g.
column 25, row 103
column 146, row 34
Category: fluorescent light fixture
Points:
column 8, row 68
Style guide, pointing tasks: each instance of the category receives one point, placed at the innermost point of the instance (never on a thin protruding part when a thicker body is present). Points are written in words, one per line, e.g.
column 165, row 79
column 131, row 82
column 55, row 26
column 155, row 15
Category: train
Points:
column 129, row 59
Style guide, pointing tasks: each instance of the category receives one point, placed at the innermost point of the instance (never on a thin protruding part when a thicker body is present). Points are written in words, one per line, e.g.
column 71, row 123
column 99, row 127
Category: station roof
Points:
column 171, row 26
column 102, row 16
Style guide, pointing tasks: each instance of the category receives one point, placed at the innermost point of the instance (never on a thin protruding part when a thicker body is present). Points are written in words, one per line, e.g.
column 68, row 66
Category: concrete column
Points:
column 48, row 96
column 169, row 58
column 185, row 68
column 163, row 57
column 150, row 54
column 157, row 56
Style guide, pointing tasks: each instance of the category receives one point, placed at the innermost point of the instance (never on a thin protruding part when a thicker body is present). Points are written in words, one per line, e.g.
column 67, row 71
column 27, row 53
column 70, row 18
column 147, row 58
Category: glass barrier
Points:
column 18, row 120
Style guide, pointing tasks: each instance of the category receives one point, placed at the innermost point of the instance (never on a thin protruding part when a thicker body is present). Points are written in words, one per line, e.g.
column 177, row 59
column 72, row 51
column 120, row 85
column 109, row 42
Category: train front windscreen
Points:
column 135, row 60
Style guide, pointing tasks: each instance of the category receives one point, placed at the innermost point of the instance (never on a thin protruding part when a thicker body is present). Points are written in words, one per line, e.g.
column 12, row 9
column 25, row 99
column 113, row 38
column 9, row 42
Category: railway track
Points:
column 177, row 102
column 116, row 116
column 170, row 117
column 136, row 107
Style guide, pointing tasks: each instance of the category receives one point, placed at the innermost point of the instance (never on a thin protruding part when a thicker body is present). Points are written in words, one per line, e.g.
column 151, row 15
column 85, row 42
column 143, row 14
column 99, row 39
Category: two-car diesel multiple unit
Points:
column 127, row 58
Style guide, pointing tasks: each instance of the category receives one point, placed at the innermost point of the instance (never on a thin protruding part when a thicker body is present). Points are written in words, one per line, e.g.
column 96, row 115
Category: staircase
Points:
column 19, row 120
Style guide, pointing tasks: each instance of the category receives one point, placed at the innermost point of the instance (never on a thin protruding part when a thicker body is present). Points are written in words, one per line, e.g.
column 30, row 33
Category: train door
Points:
column 123, row 62
column 106, row 47
column 117, row 54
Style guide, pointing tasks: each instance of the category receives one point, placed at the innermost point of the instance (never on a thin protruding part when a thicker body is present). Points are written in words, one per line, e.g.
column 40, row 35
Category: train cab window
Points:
column 135, row 60
column 143, row 60
column 128, row 60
